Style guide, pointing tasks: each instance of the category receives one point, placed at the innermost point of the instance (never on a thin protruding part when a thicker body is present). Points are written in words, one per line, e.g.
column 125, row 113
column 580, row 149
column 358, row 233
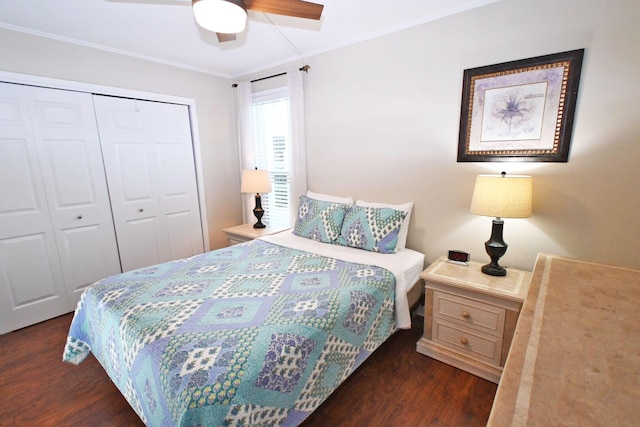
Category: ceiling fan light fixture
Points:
column 220, row 16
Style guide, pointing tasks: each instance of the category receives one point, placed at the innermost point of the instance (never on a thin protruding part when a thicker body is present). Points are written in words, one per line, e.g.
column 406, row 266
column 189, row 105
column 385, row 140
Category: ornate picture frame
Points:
column 520, row 110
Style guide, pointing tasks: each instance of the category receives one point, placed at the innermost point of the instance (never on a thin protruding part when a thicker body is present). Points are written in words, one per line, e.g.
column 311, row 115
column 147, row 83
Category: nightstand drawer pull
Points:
column 464, row 341
column 466, row 314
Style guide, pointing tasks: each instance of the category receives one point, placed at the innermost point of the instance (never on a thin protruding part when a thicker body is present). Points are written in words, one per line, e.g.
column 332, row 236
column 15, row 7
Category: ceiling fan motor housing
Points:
column 220, row 16
column 228, row 17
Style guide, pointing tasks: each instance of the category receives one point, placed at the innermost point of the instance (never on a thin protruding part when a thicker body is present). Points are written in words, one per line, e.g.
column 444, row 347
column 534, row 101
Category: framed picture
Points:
column 520, row 110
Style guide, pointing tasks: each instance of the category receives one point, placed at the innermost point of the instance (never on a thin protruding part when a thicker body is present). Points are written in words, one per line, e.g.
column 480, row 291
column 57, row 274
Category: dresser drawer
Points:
column 469, row 313
column 479, row 346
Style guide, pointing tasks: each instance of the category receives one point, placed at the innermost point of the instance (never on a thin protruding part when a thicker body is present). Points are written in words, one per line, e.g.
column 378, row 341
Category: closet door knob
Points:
column 465, row 314
column 79, row 217
column 141, row 210
column 464, row 341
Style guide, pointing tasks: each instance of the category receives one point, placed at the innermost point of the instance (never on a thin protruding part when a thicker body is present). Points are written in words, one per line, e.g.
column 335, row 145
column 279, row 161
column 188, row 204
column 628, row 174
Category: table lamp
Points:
column 256, row 181
column 500, row 196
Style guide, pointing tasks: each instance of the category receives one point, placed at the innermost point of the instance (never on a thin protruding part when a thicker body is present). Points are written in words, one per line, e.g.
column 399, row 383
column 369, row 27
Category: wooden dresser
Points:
column 575, row 356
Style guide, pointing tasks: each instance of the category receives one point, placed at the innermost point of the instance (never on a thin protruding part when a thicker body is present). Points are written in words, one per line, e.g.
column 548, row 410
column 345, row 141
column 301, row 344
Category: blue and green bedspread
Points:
column 253, row 334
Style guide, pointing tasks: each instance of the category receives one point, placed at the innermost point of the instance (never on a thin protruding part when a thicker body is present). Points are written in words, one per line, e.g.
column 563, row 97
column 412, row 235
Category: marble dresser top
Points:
column 575, row 357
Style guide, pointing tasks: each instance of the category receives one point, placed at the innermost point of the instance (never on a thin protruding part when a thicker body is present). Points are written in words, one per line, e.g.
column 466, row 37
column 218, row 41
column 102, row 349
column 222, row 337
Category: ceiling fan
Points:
column 228, row 17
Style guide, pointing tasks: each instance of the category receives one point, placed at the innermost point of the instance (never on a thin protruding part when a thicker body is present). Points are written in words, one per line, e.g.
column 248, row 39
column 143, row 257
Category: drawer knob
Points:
column 464, row 341
column 465, row 315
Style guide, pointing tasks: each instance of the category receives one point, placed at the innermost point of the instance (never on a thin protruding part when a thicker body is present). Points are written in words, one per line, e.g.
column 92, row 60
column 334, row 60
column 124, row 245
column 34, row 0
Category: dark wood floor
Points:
column 395, row 387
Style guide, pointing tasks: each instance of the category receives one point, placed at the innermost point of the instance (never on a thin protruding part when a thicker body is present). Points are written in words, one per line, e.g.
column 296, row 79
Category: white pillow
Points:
column 405, row 207
column 329, row 198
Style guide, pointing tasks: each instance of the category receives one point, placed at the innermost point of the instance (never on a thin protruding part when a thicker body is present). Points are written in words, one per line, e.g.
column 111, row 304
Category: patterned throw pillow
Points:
column 319, row 220
column 372, row 229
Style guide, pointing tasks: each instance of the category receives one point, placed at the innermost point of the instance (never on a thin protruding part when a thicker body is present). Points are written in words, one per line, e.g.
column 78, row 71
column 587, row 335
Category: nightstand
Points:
column 246, row 232
column 470, row 317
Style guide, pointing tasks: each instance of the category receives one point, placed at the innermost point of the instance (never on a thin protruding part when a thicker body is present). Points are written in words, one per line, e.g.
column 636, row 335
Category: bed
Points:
column 254, row 334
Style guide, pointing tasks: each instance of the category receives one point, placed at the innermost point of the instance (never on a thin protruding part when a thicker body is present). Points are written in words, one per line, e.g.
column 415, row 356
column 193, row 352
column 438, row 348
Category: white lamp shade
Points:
column 220, row 16
column 255, row 181
column 507, row 196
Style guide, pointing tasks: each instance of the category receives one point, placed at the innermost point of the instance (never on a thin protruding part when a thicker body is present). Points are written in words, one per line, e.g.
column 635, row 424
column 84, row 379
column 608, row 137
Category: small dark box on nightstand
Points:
column 458, row 257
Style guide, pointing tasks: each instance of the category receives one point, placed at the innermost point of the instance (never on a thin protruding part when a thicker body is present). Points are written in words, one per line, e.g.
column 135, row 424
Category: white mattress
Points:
column 406, row 265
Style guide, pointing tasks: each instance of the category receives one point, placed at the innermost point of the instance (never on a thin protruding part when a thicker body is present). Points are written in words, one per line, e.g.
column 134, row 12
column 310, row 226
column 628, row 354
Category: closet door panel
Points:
column 144, row 244
column 149, row 161
column 18, row 191
column 134, row 173
column 131, row 173
column 68, row 166
column 23, row 203
column 31, row 281
column 179, row 225
column 179, row 202
column 87, row 246
column 178, row 186
column 27, row 267
column 132, row 183
column 71, row 161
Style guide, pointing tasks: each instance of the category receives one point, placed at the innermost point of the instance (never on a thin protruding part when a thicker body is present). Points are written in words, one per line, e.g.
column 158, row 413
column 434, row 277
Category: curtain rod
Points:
column 304, row 68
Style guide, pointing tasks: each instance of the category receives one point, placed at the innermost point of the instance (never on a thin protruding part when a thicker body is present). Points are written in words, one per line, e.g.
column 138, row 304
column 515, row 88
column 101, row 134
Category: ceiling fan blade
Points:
column 296, row 8
column 222, row 37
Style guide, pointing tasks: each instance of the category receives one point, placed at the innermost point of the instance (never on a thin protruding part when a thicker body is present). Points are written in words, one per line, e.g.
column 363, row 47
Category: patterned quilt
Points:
column 253, row 334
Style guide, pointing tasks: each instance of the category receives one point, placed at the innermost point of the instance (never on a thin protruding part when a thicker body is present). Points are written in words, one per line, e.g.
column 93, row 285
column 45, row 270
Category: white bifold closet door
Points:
column 148, row 156
column 56, row 229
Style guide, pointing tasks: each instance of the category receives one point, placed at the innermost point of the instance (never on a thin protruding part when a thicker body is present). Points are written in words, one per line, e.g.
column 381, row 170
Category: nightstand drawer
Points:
column 469, row 313
column 237, row 240
column 246, row 232
column 471, row 343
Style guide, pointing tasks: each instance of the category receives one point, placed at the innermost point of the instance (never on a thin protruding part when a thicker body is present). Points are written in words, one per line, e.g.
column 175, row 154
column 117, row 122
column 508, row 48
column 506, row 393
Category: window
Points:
column 270, row 110
column 271, row 136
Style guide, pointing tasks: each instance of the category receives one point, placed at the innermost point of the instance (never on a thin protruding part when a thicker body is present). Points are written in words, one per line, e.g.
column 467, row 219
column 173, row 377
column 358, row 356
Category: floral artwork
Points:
column 521, row 110
column 514, row 113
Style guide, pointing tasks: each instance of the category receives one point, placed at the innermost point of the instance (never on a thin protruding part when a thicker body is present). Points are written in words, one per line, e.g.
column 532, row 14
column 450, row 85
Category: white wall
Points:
column 383, row 121
column 27, row 54
column 383, row 115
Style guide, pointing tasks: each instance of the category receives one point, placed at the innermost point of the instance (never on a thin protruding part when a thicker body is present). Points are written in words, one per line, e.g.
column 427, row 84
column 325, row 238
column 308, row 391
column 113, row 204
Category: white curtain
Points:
column 295, row 87
column 246, row 146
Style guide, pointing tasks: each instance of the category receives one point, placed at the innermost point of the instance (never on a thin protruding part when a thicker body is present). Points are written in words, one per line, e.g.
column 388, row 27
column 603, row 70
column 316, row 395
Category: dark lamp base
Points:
column 496, row 248
column 258, row 212
column 494, row 270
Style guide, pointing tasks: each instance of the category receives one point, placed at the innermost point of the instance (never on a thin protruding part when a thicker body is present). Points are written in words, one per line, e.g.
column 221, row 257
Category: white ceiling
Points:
column 165, row 30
